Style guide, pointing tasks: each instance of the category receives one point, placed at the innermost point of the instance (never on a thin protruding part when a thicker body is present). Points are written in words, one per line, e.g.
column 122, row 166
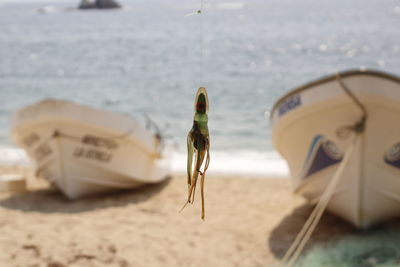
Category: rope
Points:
column 159, row 136
column 298, row 245
column 351, row 95
column 358, row 127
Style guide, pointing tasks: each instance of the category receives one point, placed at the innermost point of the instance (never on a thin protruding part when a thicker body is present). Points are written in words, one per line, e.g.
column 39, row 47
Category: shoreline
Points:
column 244, row 163
column 249, row 222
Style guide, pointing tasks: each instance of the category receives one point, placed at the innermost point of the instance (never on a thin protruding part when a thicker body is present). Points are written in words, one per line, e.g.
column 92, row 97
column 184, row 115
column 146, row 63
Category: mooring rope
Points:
column 298, row 245
column 359, row 126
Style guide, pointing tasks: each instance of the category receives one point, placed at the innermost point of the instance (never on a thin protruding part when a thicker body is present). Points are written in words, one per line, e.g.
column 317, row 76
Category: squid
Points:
column 198, row 148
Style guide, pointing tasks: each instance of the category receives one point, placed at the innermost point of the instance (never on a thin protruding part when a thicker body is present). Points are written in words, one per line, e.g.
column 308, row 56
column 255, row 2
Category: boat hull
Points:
column 306, row 127
column 85, row 151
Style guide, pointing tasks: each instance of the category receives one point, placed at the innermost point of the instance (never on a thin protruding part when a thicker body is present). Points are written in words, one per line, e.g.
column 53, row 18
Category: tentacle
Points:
column 208, row 155
column 198, row 163
column 190, row 151
column 203, row 175
column 202, row 197
column 193, row 191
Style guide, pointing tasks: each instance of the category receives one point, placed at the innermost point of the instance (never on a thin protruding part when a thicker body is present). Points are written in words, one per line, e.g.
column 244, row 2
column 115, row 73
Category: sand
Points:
column 249, row 222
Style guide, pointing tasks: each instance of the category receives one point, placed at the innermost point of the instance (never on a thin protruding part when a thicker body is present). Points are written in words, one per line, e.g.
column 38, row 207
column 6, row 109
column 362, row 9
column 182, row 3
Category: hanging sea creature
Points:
column 198, row 145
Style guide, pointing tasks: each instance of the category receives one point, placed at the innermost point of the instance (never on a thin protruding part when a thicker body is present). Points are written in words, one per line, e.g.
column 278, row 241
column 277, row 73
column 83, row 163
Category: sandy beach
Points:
column 249, row 222
column 145, row 63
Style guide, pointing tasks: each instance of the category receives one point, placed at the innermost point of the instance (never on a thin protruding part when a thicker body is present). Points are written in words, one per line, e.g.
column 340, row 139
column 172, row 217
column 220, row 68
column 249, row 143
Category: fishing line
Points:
column 198, row 139
column 202, row 44
column 201, row 41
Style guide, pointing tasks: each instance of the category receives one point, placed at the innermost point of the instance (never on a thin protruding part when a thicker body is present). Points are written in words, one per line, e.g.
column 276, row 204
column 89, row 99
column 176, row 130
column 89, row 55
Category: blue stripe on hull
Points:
column 322, row 154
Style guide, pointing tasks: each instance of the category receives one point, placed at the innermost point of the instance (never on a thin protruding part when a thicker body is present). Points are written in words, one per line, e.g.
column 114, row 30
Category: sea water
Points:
column 149, row 58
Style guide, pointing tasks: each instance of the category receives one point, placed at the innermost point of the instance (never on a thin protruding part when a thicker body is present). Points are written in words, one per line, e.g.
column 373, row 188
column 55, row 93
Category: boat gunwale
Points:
column 19, row 123
column 128, row 136
column 331, row 77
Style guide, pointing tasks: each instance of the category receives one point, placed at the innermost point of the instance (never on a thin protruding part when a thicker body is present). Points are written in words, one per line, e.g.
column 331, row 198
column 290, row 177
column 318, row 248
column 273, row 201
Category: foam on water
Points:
column 238, row 162
column 13, row 156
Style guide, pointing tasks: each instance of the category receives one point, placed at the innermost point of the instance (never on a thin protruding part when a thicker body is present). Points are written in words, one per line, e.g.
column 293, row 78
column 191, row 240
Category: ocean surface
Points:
column 149, row 58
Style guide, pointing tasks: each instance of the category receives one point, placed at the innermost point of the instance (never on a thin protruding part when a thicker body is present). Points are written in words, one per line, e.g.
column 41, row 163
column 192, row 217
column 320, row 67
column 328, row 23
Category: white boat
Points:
column 83, row 150
column 314, row 125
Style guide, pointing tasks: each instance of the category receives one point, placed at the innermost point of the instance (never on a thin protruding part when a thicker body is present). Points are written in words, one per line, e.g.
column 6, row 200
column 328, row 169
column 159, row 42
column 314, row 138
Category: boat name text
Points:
column 289, row 104
column 99, row 142
column 92, row 153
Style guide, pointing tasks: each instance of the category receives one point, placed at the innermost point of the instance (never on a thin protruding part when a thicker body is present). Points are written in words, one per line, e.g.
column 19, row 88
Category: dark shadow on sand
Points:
column 329, row 228
column 53, row 201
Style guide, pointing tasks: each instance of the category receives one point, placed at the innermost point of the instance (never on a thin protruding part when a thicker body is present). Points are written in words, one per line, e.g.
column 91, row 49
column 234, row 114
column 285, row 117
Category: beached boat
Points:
column 83, row 150
column 314, row 125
